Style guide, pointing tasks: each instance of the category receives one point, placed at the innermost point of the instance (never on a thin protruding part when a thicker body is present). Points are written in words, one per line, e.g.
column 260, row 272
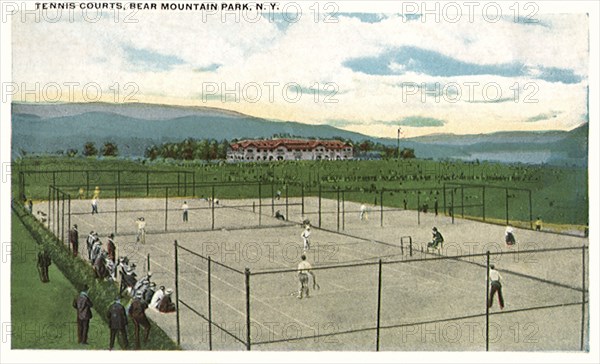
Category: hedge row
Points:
column 80, row 273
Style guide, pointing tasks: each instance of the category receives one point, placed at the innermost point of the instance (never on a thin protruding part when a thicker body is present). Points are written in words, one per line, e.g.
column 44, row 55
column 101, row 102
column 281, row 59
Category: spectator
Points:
column 137, row 312
column 83, row 305
column 43, row 263
column 158, row 295
column 166, row 305
column 117, row 321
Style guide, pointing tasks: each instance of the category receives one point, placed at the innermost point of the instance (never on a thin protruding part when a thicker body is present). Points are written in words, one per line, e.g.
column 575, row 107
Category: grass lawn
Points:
column 42, row 313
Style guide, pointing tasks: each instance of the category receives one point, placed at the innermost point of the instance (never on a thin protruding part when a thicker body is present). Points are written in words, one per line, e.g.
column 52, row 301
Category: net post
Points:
column 247, row 275
column 116, row 210
column 582, row 338
column 166, row 207
column 320, row 191
column 410, row 247
column 487, row 302
column 148, row 263
column 209, row 275
column 381, row 207
column 212, row 208
column 178, row 324
column 506, row 204
column 378, row 305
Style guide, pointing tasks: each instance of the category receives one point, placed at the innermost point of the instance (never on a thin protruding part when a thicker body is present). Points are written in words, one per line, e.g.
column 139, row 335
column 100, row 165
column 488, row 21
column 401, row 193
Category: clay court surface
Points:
column 430, row 304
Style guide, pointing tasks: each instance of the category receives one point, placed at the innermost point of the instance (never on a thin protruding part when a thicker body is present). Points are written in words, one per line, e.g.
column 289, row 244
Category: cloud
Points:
column 542, row 117
column 210, row 68
column 364, row 17
column 418, row 122
column 418, row 60
column 145, row 58
column 341, row 123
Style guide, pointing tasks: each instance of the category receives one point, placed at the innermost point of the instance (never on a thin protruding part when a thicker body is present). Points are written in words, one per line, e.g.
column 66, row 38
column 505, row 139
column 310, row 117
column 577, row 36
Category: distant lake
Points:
column 532, row 157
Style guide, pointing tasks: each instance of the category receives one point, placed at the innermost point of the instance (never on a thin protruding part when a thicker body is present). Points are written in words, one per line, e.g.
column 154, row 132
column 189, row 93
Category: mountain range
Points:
column 48, row 128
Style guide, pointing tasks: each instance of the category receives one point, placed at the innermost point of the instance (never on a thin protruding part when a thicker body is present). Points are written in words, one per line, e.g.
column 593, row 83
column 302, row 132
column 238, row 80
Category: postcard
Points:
column 338, row 181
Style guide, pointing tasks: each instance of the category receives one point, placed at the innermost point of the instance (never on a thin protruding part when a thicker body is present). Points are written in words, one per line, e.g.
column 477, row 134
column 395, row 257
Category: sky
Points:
column 365, row 72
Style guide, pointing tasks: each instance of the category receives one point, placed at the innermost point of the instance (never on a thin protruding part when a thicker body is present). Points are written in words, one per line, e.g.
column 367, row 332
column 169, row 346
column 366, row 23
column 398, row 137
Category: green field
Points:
column 559, row 194
column 42, row 315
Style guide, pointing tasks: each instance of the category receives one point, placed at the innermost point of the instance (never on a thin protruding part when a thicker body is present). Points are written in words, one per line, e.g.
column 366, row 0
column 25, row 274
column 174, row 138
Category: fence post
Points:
column 487, row 302
column 483, row 203
column 343, row 210
column 69, row 217
column 338, row 208
column 62, row 222
column 53, row 178
column 147, row 183
column 582, row 339
column 259, row 203
column 116, row 210
column 378, row 306
column 177, row 295
column 212, row 208
column 452, row 205
column 194, row 183
column 302, row 198
column 419, row 207
column 272, row 199
column 381, row 206
column 462, row 201
column 247, row 274
column 49, row 206
column 178, row 183
column 209, row 304
column 87, row 184
column 506, row 194
column 444, row 191
column 320, row 203
column 530, row 211
column 287, row 212
column 166, row 206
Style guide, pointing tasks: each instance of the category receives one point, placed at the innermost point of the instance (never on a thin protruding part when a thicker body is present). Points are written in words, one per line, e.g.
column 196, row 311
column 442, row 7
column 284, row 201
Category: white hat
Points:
column 169, row 291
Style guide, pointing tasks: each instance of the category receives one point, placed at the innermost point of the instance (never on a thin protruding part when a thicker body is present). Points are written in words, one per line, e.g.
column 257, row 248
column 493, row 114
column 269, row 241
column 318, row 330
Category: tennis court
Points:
column 432, row 300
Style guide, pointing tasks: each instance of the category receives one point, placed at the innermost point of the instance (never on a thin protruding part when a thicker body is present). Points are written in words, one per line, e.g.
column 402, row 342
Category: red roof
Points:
column 290, row 144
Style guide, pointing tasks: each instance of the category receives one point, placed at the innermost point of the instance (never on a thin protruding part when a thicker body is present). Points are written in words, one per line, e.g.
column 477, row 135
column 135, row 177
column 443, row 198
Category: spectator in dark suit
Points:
column 166, row 305
column 117, row 321
column 111, row 248
column 74, row 240
column 83, row 305
column 43, row 263
column 137, row 312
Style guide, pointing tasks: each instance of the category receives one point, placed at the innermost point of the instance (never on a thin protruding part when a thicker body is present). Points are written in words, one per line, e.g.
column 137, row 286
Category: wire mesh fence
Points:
column 425, row 303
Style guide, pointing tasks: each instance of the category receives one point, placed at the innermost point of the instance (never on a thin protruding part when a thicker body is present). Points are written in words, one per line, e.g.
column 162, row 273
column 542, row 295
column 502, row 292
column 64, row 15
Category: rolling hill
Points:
column 48, row 128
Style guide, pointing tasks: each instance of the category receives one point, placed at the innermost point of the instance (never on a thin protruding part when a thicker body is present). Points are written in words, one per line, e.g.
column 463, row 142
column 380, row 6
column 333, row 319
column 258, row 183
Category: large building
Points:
column 288, row 149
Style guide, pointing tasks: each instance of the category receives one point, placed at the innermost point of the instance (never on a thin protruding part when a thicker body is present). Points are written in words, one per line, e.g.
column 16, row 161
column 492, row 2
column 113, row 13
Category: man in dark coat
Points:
column 137, row 312
column 111, row 248
column 83, row 305
column 117, row 321
column 74, row 240
column 43, row 263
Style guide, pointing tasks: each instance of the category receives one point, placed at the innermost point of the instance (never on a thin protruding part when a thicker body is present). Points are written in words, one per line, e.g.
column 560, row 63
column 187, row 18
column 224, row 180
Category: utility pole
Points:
column 398, row 148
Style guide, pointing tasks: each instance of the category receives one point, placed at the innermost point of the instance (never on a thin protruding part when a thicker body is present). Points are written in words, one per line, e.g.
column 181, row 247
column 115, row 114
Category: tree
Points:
column 72, row 152
column 152, row 152
column 110, row 149
column 89, row 149
column 407, row 153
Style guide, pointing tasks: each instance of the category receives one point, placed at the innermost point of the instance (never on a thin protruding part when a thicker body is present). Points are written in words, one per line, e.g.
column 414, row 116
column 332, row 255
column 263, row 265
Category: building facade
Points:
column 288, row 149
